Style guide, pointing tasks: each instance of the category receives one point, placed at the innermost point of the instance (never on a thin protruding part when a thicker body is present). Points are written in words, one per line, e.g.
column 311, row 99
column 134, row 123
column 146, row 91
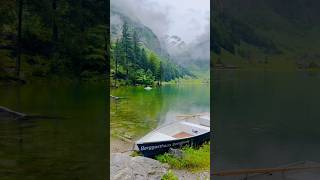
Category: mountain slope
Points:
column 269, row 33
column 136, row 54
column 171, row 47
column 194, row 56
column 145, row 34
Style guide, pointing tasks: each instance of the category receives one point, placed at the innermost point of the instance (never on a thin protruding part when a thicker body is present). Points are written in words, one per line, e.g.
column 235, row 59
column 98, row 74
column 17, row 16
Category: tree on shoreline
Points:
column 48, row 38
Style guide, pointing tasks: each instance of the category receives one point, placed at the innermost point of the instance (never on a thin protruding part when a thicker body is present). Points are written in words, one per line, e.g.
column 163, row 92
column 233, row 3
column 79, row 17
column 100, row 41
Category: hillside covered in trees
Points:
column 133, row 63
column 63, row 38
column 137, row 56
column 275, row 34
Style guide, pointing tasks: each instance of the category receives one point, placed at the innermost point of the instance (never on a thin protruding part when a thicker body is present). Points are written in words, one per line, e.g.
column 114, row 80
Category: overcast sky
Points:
column 188, row 18
column 185, row 18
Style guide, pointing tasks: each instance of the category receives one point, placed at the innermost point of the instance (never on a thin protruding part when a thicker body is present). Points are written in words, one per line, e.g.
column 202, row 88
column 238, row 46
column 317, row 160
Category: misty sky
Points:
column 185, row 18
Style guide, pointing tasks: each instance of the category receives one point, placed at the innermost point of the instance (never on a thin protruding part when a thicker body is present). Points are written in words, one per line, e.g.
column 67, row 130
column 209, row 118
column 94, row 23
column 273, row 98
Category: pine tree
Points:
column 136, row 48
column 127, row 48
column 159, row 73
column 152, row 63
column 117, row 57
column 143, row 59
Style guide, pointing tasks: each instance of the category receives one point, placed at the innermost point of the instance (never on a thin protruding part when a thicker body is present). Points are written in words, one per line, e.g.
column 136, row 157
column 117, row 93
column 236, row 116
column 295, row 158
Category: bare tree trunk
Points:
column 19, row 38
column 127, row 63
column 127, row 74
column 107, row 58
column 54, row 21
column 218, row 6
column 115, row 75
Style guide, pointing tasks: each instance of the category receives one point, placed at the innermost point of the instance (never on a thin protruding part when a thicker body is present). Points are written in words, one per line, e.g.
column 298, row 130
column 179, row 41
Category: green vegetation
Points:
column 169, row 176
column 132, row 63
column 64, row 39
column 193, row 159
column 135, row 153
column 228, row 33
column 277, row 35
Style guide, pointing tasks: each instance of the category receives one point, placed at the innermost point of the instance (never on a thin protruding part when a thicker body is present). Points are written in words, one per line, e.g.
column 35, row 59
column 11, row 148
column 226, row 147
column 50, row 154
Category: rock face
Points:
column 125, row 167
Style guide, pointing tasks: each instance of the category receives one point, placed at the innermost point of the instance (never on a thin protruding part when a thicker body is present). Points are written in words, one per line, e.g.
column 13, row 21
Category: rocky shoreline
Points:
column 119, row 146
column 125, row 167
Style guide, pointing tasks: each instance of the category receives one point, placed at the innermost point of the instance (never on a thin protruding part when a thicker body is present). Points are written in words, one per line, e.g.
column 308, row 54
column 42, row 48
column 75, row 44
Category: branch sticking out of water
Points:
column 5, row 112
column 116, row 97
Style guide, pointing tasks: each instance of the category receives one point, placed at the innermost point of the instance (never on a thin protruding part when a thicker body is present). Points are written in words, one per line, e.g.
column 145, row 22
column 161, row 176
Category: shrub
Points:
column 193, row 159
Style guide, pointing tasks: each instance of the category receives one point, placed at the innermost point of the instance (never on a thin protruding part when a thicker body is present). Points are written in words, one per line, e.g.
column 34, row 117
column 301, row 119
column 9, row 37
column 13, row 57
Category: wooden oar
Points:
column 188, row 116
column 261, row 171
column 185, row 117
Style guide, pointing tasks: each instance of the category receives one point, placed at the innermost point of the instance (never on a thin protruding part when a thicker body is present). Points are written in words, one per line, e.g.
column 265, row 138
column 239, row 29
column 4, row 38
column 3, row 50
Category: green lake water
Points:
column 73, row 147
column 265, row 119
column 141, row 111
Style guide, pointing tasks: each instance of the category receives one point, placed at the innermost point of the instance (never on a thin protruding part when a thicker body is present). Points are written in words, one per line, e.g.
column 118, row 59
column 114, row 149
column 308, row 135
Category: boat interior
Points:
column 178, row 130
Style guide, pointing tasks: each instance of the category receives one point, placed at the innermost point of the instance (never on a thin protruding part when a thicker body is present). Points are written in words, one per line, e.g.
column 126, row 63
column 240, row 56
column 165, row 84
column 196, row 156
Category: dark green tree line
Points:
column 53, row 37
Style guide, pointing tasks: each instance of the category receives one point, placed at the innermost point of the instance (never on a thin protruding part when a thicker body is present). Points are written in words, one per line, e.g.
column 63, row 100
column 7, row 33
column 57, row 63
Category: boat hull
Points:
column 155, row 148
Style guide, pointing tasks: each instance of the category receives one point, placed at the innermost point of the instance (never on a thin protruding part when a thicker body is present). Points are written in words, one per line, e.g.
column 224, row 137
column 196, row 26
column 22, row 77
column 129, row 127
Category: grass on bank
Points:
column 169, row 176
column 135, row 154
column 193, row 159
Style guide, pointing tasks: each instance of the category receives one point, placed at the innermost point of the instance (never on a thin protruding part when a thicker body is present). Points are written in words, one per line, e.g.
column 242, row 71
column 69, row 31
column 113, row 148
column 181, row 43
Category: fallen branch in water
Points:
column 125, row 139
column 116, row 97
column 262, row 171
column 39, row 117
column 22, row 116
column 11, row 112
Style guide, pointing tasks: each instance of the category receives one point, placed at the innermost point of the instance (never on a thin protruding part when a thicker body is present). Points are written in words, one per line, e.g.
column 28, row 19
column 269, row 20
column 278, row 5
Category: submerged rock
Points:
column 125, row 167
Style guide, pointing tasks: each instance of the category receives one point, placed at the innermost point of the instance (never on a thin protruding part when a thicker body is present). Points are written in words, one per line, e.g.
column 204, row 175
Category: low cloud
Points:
column 157, row 16
column 146, row 12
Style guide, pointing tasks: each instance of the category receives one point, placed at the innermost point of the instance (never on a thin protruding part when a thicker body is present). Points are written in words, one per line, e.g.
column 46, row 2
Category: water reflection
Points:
column 265, row 119
column 73, row 147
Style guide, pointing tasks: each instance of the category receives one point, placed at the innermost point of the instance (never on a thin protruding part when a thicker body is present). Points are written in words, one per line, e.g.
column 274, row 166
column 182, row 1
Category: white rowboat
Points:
column 188, row 132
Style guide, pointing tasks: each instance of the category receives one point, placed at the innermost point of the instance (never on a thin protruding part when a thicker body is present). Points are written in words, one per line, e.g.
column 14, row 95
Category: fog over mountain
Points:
column 144, row 11
column 182, row 26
